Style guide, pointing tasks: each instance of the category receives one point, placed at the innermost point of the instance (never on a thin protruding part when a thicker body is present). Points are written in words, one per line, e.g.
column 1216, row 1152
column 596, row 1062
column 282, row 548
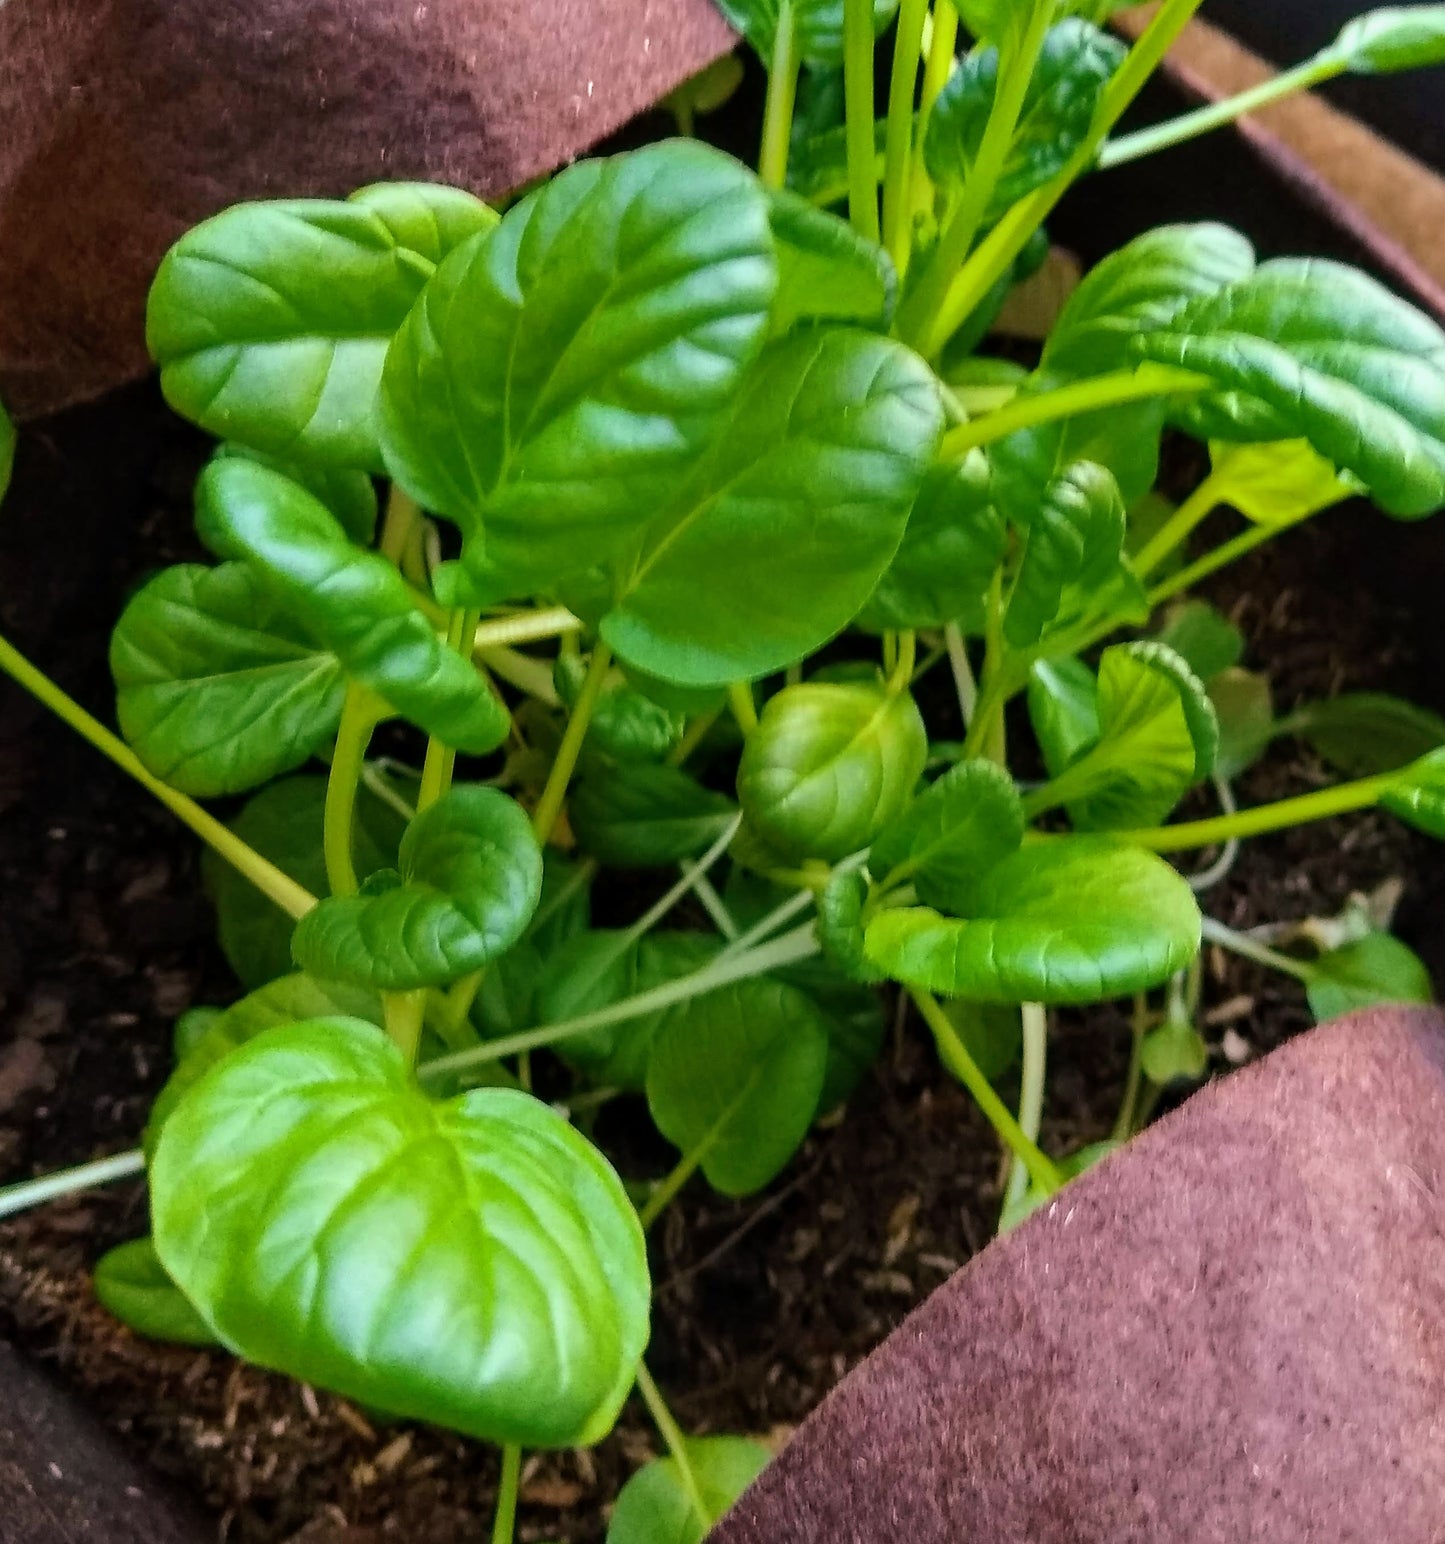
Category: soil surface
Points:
column 761, row 1305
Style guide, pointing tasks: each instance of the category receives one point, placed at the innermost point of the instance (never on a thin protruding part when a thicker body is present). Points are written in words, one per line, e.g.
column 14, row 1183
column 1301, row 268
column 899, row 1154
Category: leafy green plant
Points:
column 691, row 486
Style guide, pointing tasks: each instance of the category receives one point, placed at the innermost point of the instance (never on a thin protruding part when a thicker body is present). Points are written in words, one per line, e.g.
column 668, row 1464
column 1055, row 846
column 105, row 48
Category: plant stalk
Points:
column 549, row 806
column 782, row 96
column 858, row 116
column 898, row 138
column 353, row 735
column 1250, row 949
column 1178, row 527
column 504, row 1524
column 1035, row 1020
column 672, row 1435
column 49, row 1187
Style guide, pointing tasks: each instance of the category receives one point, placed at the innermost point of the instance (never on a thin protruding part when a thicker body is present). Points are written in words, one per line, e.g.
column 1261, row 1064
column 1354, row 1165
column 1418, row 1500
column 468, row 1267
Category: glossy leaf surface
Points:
column 646, row 816
column 826, row 270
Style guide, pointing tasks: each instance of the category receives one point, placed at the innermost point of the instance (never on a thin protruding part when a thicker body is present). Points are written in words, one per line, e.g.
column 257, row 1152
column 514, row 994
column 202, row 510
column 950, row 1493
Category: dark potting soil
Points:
column 761, row 1305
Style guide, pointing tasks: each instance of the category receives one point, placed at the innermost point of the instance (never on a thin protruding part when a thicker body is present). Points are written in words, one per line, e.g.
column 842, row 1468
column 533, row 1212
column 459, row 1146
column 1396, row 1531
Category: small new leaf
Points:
column 133, row 1285
column 1364, row 973
column 1400, row 37
column 1417, row 794
column 654, row 1506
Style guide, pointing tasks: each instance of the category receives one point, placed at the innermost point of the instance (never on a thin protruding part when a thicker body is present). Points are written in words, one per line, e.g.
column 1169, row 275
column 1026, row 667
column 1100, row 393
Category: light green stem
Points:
column 672, row 1435
column 353, row 735
column 504, row 1524
column 801, row 944
column 405, row 1013
column 939, row 65
column 1134, row 1078
column 1249, row 949
column 1041, row 1169
column 1217, row 115
column 1088, row 396
column 745, row 710
column 858, row 97
column 963, row 678
column 1263, row 818
column 1178, row 527
column 277, row 886
column 898, row 137
column 782, row 95
column 49, row 1187
column 525, row 627
column 1031, row 1092
column 961, row 230
column 667, row 1188
column 441, row 760
column 549, row 806
column 692, row 872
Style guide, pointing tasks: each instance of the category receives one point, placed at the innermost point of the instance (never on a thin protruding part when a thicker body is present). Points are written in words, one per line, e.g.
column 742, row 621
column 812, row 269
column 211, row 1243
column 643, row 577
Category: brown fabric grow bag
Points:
column 126, row 121
column 1234, row 1329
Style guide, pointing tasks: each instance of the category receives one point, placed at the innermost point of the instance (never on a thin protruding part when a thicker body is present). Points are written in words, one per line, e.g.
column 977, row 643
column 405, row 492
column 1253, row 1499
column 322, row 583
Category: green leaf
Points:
column 287, row 1000
column 1174, row 1052
column 1416, row 794
column 654, row 1506
column 625, row 724
column 1398, row 37
column 188, row 1030
column 992, row 1034
column 348, row 494
column 829, row 766
column 1244, row 706
column 133, row 1285
column 1140, row 287
column 1365, row 733
column 813, row 474
column 1074, row 537
column 1158, row 737
column 819, row 25
column 826, row 270
column 952, row 834
column 1075, row 65
column 1310, row 349
column 1371, row 970
column 644, row 816
column 954, row 541
column 270, row 321
column 595, row 970
column 736, row 1076
column 218, row 689
column 1063, row 700
column 7, row 449
column 355, row 602
column 1204, row 638
column 473, row 1263
column 852, row 1017
column 558, row 377
column 840, row 926
column 1071, row 920
column 1277, row 484
column 471, row 876
column 427, row 218
column 284, row 824
column 818, row 164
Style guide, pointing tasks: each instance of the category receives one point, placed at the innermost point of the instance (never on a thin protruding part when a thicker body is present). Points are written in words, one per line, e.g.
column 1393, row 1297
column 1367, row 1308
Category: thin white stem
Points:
column 49, row 1187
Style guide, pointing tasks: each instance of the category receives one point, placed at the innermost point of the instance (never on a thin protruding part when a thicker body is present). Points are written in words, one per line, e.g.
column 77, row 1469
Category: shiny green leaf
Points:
column 826, row 270
column 645, row 816
column 1397, row 37
column 471, row 876
column 558, row 378
column 735, row 1076
column 133, row 1285
column 840, row 926
column 1416, row 794
column 218, row 688
column 473, row 1263
column 626, row 724
column 1369, row 971
column 1063, row 699
column 270, row 321
column 814, row 474
column 1071, row 920
column 350, row 495
column 654, row 1506
column 829, row 766
column 355, row 602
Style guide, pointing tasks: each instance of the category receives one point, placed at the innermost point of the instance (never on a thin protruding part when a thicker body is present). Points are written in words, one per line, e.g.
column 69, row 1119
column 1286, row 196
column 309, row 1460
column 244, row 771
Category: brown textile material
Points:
column 125, row 121
column 1234, row 1330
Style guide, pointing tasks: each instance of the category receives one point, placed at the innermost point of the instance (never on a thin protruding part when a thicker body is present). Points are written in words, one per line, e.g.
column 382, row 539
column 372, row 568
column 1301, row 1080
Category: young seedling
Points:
column 654, row 441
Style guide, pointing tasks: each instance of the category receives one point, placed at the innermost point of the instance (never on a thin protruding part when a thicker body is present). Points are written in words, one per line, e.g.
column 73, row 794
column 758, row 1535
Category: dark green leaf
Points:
column 1140, row 287
column 473, row 1263
column 1364, row 733
column 818, row 165
column 819, row 25
column 992, row 1034
column 471, row 876
column 557, row 379
column 1397, row 37
column 355, row 602
column 270, row 321
column 840, row 926
column 284, row 824
column 654, row 1506
column 1071, row 920
column 736, row 1075
column 954, row 540
column 952, row 834
column 133, row 1285
column 814, row 474
column 645, row 816
column 1063, row 698
column 826, row 270
column 1075, row 65
column 626, row 724
column 830, row 766
column 1310, row 349
column 217, row 688
column 1371, row 970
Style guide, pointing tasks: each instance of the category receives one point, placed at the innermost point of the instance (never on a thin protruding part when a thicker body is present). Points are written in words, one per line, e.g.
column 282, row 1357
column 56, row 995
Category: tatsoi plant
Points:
column 690, row 482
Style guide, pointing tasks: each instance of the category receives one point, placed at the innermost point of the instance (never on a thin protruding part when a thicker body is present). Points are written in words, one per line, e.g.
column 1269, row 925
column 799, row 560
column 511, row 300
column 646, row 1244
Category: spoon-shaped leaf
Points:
column 1074, row 920
column 354, row 601
column 830, row 765
column 1365, row 972
column 471, row 875
column 654, row 1506
column 270, row 321
column 218, row 688
column 474, row 1263
column 1364, row 733
column 557, row 378
column 133, row 1285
